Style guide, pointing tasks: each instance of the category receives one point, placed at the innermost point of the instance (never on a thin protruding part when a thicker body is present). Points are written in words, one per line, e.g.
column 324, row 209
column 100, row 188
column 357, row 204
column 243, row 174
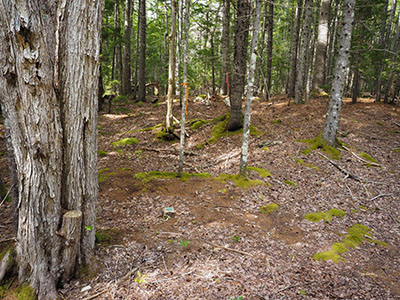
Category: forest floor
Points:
column 225, row 239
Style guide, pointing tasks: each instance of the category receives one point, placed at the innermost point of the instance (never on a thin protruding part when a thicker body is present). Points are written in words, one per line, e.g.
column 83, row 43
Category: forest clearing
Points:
column 226, row 241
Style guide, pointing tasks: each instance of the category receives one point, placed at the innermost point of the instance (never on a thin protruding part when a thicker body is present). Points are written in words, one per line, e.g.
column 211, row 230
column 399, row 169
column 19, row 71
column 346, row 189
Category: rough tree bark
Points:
column 294, row 47
column 171, row 66
column 250, row 89
column 126, row 71
column 239, row 64
column 335, row 102
column 270, row 18
column 141, row 96
column 304, row 49
column 225, row 45
column 322, row 43
column 118, row 47
column 49, row 57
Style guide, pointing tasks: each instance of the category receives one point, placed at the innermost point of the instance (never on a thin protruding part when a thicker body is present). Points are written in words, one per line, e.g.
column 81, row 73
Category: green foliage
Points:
column 25, row 292
column 269, row 208
column 125, row 141
column 355, row 236
column 103, row 237
column 184, row 243
column 320, row 143
column 102, row 153
column 140, row 278
column 326, row 216
column 236, row 239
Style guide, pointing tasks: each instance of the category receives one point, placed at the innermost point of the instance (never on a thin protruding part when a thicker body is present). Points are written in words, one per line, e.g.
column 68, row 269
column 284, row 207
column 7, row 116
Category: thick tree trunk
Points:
column 322, row 43
column 250, row 89
column 225, row 46
column 335, row 102
column 118, row 46
column 239, row 64
column 141, row 96
column 269, row 48
column 126, row 76
column 294, row 47
column 304, row 49
column 49, row 54
column 171, row 68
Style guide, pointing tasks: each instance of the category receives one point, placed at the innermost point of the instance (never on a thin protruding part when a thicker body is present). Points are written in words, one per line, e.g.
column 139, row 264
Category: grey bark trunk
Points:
column 239, row 64
column 335, row 102
column 250, row 89
column 321, row 45
column 141, row 96
column 126, row 76
column 305, row 44
column 118, row 46
column 225, row 46
column 334, row 25
column 379, row 66
column 269, row 48
column 171, row 66
column 294, row 47
column 49, row 54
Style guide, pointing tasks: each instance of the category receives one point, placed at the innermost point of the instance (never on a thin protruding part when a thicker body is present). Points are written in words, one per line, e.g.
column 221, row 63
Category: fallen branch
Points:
column 227, row 248
column 379, row 196
column 397, row 124
column 344, row 171
column 362, row 159
column 5, row 197
column 95, row 295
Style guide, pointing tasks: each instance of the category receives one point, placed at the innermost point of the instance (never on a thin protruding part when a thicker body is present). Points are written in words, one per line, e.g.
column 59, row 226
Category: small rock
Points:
column 86, row 288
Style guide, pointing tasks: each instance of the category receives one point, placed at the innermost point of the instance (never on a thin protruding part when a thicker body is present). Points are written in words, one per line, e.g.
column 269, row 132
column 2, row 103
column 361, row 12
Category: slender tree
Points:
column 294, row 48
column 49, row 54
column 171, row 68
column 321, row 45
column 269, row 47
column 239, row 64
column 250, row 89
column 141, row 96
column 118, row 46
column 225, row 46
column 126, row 70
column 335, row 102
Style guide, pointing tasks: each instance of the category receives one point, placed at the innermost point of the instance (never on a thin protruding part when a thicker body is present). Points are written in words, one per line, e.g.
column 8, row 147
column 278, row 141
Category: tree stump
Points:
column 71, row 231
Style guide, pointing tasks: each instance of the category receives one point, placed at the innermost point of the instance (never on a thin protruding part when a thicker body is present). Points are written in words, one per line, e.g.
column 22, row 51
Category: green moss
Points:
column 308, row 165
column 262, row 172
column 140, row 103
column 269, row 208
column 103, row 175
column 154, row 175
column 103, row 237
column 288, row 182
column 125, row 141
column 355, row 236
column 25, row 292
column 379, row 123
column 121, row 99
column 166, row 135
column 320, row 143
column 4, row 288
column 326, row 216
column 277, row 121
column 368, row 157
column 122, row 110
column 102, row 153
column 397, row 150
column 196, row 123
column 238, row 180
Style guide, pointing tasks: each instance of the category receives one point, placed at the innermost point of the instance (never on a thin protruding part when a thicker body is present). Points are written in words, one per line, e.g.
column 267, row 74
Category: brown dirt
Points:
column 219, row 245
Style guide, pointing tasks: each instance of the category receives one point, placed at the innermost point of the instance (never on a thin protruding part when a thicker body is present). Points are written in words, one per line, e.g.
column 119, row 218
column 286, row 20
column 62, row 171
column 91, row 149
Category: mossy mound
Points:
column 320, row 143
column 125, row 141
column 368, row 157
column 355, row 236
column 196, row 123
column 262, row 172
column 239, row 180
column 269, row 208
column 25, row 292
column 166, row 135
column 327, row 216
column 154, row 175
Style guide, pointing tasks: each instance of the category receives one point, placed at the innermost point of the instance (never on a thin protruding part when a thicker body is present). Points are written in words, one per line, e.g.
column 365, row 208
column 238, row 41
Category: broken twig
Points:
column 379, row 196
column 344, row 171
column 226, row 248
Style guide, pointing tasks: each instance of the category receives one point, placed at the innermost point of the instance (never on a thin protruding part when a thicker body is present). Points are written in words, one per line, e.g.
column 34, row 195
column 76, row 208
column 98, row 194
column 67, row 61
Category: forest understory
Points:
column 243, row 239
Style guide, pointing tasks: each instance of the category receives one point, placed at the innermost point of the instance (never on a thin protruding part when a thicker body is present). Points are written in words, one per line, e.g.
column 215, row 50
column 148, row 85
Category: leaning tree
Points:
column 49, row 62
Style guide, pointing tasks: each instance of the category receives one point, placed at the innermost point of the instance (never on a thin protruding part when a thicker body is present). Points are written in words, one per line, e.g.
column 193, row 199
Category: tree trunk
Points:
column 355, row 91
column 186, row 84
column 239, row 64
column 269, row 47
column 250, row 89
column 50, row 63
column 380, row 65
column 141, row 96
column 294, row 47
column 225, row 45
column 334, row 25
column 165, row 44
column 322, row 42
column 126, row 76
column 171, row 68
column 335, row 102
column 118, row 46
column 304, row 49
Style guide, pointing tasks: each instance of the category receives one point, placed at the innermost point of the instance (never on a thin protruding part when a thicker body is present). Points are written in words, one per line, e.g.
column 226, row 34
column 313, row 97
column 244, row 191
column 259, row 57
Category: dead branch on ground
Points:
column 341, row 169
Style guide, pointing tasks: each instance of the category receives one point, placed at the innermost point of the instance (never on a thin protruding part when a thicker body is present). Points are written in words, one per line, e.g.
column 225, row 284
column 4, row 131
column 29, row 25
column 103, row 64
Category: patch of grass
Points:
column 308, row 165
column 102, row 153
column 288, row 182
column 103, row 175
column 368, row 157
column 326, row 216
column 239, row 180
column 277, row 121
column 355, row 236
column 269, row 208
column 154, row 175
column 25, row 292
column 320, row 143
column 125, row 141
column 262, row 172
